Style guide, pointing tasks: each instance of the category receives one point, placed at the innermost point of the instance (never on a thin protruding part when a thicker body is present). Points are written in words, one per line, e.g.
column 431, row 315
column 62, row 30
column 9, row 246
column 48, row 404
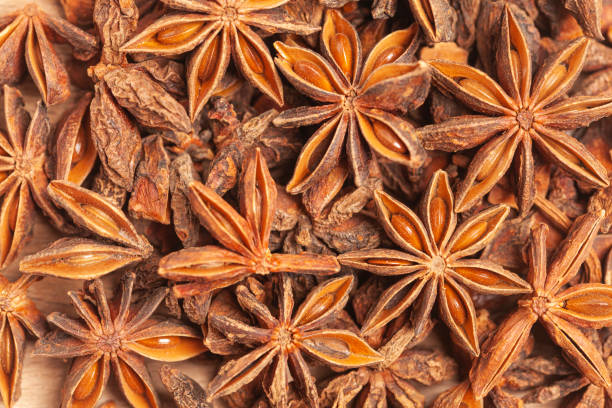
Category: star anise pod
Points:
column 359, row 100
column 16, row 311
column 245, row 238
column 23, row 152
column 86, row 258
column 561, row 312
column 220, row 29
column 26, row 38
column 434, row 262
column 281, row 342
column 524, row 110
column 120, row 333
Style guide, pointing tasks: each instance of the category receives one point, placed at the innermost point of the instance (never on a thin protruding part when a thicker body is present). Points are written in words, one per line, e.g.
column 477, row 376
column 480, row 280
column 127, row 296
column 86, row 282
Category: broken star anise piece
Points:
column 523, row 110
column 120, row 333
column 281, row 342
column 30, row 32
column 434, row 262
column 359, row 99
column 245, row 238
column 16, row 312
column 84, row 258
column 23, row 152
column 219, row 29
column 561, row 312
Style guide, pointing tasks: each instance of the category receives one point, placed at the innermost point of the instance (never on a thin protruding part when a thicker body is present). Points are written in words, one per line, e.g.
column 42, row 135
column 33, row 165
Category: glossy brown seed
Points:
column 178, row 33
column 161, row 342
column 553, row 80
column 486, row 168
column 477, row 89
column 209, row 60
column 438, row 210
column 389, row 55
column 387, row 137
column 591, row 304
column 566, row 153
column 455, row 306
column 80, row 146
column 131, row 378
column 8, row 350
column 340, row 47
column 470, row 236
column 478, row 275
column 407, row 230
column 251, row 56
column 87, row 385
column 387, row 262
column 312, row 73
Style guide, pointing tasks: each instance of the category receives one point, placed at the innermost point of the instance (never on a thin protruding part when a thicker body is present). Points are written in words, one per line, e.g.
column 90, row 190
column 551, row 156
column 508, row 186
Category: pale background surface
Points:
column 43, row 377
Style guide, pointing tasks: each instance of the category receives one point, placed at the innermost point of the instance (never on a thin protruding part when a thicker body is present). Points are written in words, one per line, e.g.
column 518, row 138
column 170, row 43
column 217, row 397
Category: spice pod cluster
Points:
column 336, row 203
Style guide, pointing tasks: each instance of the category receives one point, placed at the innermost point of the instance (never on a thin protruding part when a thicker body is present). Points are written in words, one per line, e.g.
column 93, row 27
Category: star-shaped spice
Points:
column 435, row 262
column 219, row 29
column 120, row 333
column 16, row 312
column 523, row 110
column 23, row 152
column 282, row 341
column 30, row 33
column 561, row 312
column 359, row 100
column 245, row 238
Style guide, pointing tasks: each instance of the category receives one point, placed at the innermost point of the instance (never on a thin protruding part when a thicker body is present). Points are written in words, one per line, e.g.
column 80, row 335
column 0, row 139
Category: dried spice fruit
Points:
column 186, row 392
column 116, row 332
column 82, row 258
column 219, row 29
column 359, row 98
column 26, row 37
column 17, row 312
column 23, row 181
column 282, row 341
column 434, row 263
column 525, row 110
column 560, row 311
column 245, row 238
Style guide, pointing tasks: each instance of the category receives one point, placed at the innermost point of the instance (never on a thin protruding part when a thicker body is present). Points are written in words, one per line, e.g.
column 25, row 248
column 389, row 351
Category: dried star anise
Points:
column 359, row 98
column 85, row 258
column 23, row 181
column 561, row 312
column 220, row 29
column 245, row 238
column 26, row 38
column 120, row 333
column 435, row 264
column 526, row 110
column 17, row 311
column 282, row 341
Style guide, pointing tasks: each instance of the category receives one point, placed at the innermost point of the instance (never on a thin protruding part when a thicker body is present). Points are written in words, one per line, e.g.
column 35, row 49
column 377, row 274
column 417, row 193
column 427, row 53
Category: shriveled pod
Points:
column 75, row 153
column 79, row 258
column 95, row 213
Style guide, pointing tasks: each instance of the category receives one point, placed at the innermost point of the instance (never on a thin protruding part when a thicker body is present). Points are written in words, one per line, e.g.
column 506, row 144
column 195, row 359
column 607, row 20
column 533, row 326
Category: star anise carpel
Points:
column 244, row 238
column 359, row 99
column 220, row 29
column 23, row 180
column 562, row 311
column 17, row 312
column 434, row 262
column 26, row 38
column 115, row 332
column 281, row 341
column 518, row 111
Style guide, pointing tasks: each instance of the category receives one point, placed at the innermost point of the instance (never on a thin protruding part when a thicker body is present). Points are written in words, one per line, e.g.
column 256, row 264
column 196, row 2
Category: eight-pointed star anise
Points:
column 525, row 110
column 246, row 238
column 359, row 98
column 22, row 176
column 433, row 264
column 220, row 28
column 282, row 341
column 30, row 32
column 561, row 312
column 120, row 333
column 16, row 311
